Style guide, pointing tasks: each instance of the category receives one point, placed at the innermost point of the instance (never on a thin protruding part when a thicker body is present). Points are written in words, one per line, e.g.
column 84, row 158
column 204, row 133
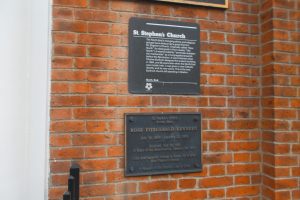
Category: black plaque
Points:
column 162, row 143
column 211, row 3
column 163, row 57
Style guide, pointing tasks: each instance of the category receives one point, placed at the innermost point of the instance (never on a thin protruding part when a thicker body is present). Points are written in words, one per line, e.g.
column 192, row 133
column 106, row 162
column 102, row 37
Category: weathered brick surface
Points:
column 280, row 71
column 249, row 100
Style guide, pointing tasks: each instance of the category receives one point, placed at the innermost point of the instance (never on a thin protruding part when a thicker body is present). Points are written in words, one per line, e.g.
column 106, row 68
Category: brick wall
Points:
column 280, row 99
column 246, row 100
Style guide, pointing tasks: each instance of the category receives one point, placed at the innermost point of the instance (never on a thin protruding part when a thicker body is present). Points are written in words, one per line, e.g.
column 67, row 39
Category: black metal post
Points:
column 67, row 196
column 75, row 171
column 71, row 186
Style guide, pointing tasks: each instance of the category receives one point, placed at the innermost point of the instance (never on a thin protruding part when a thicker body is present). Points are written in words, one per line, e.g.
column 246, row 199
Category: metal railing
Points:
column 73, row 184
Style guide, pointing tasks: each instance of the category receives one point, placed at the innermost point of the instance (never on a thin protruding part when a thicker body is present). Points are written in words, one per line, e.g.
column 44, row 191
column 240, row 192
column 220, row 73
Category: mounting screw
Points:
column 131, row 119
column 131, row 169
column 197, row 165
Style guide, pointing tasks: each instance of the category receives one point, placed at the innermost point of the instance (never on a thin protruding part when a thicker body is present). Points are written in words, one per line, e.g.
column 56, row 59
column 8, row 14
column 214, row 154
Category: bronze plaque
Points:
column 162, row 143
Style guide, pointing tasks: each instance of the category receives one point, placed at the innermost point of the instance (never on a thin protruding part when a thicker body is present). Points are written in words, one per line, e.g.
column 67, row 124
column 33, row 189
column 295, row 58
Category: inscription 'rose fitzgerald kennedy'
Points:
column 162, row 143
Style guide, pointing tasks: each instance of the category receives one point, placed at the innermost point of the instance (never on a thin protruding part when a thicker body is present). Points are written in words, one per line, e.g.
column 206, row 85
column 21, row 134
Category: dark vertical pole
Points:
column 71, row 186
column 67, row 196
column 74, row 171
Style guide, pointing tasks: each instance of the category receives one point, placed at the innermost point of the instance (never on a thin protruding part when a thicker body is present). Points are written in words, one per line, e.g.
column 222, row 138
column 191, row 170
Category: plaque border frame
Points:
column 198, row 3
column 169, row 172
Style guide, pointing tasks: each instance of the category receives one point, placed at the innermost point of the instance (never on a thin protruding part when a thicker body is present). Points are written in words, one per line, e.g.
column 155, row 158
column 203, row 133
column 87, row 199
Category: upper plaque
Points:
column 163, row 57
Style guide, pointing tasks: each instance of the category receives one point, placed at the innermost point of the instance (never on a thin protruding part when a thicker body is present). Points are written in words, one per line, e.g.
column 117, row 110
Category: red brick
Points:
column 161, row 9
column 59, row 180
column 129, row 197
column 60, row 140
column 71, row 26
column 242, row 18
column 96, row 100
column 216, row 36
column 60, row 114
column 217, row 147
column 94, row 139
column 94, row 152
column 95, row 15
column 119, row 52
column 216, row 69
column 217, row 91
column 216, row 193
column 242, row 124
column 216, row 124
column 216, row 26
column 216, row 182
column 69, row 50
column 80, row 88
column 216, row 170
column 286, row 183
column 119, row 29
column 241, row 191
column 113, row 176
column 192, row 13
column 68, row 75
column 98, row 5
column 243, row 168
column 60, row 166
column 119, row 76
column 71, row 3
column 93, row 177
column 238, row 60
column 89, row 165
column 63, row 13
column 96, row 51
column 128, row 101
column 183, row 101
column 216, row 80
column 157, row 186
column 286, row 160
column 94, row 113
column 187, row 183
column 94, row 27
column 242, row 157
column 296, row 148
column 159, row 196
column 67, row 101
column 239, row 180
column 105, row 40
column 116, row 126
column 126, row 188
column 93, row 63
column 115, row 151
column 58, row 62
column 66, row 153
column 96, row 126
column 96, row 190
column 67, row 126
column 67, row 38
column 217, row 158
column 246, row 146
column 130, row 6
column 56, row 193
column 188, row 195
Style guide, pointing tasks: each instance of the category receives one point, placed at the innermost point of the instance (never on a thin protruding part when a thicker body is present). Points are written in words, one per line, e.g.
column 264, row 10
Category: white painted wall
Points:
column 24, row 64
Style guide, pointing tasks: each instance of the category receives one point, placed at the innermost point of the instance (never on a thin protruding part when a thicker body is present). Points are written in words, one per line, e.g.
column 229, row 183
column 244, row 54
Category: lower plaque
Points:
column 162, row 143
